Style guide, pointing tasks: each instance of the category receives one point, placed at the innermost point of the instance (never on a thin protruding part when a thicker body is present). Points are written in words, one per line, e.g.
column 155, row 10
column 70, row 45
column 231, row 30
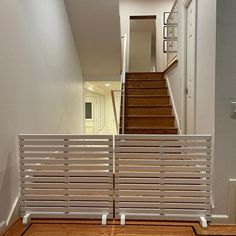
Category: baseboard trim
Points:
column 14, row 213
column 2, row 227
column 230, row 218
column 12, row 217
column 173, row 104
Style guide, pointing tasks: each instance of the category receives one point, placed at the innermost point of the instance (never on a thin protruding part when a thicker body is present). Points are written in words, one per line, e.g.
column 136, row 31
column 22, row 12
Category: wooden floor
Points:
column 93, row 228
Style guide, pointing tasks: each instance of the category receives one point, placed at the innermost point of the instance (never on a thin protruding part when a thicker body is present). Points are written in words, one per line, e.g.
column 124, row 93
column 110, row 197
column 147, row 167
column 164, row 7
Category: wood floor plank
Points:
column 133, row 228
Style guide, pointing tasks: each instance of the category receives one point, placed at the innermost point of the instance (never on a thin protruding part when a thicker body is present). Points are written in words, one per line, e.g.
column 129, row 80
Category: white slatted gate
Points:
column 66, row 176
column 163, row 177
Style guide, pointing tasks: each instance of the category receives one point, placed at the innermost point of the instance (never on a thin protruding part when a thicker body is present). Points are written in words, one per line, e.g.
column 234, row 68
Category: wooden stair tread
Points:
column 148, row 88
column 161, row 128
column 150, row 105
column 148, row 96
column 150, row 116
column 145, row 79
column 147, row 104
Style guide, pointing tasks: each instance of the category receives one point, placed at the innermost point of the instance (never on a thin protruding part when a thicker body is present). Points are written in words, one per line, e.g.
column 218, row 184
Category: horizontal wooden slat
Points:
column 162, row 205
column 67, row 203
column 67, row 191
column 161, row 180
column 163, row 168
column 63, row 173
column 66, row 155
column 161, row 150
column 141, row 193
column 62, row 179
column 65, row 143
column 173, row 143
column 66, row 167
column 65, row 215
column 164, row 156
column 40, row 197
column 162, row 137
column 157, row 199
column 65, row 149
column 168, row 175
column 162, row 187
column 166, row 211
column 66, row 162
column 66, row 209
column 63, row 136
column 162, row 162
column 66, row 186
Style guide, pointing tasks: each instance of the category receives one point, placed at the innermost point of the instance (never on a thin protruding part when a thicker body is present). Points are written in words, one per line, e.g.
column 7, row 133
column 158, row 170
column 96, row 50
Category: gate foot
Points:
column 26, row 219
column 203, row 222
column 104, row 219
column 122, row 219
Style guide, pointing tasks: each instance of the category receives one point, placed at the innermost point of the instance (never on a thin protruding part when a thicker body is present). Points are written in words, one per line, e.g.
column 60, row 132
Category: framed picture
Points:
column 165, row 31
column 165, row 17
column 165, row 46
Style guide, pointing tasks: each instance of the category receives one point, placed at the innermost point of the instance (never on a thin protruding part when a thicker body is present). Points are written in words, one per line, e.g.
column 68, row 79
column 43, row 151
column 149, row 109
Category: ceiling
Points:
column 95, row 26
column 102, row 87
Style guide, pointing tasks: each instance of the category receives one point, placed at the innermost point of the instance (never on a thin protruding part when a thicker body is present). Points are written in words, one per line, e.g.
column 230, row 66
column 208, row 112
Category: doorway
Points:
column 142, row 56
column 191, row 9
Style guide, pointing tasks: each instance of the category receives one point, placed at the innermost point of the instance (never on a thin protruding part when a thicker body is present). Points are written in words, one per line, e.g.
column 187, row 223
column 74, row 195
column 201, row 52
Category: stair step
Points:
column 149, row 121
column 145, row 84
column 147, row 91
column 149, row 110
column 147, row 100
column 145, row 75
column 145, row 130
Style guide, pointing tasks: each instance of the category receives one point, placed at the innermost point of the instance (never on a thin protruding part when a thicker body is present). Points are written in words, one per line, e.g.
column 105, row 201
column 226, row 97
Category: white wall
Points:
column 205, row 74
column 148, row 7
column 40, row 85
column 140, row 51
column 205, row 67
column 225, row 127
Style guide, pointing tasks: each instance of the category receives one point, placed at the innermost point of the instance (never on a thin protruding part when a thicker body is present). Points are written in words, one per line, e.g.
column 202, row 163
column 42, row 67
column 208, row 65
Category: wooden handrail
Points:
column 173, row 64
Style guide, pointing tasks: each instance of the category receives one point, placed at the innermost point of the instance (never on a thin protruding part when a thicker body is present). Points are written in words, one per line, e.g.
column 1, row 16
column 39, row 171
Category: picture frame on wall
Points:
column 165, row 46
column 165, row 17
column 165, row 32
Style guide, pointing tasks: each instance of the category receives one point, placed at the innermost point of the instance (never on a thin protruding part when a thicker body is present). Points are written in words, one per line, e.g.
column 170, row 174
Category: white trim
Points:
column 173, row 104
column 219, row 219
column 231, row 201
column 2, row 227
column 231, row 217
column 187, row 3
column 14, row 213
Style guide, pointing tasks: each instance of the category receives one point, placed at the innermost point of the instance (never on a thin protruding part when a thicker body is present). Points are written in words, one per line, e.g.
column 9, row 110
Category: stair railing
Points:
column 172, row 34
column 121, row 114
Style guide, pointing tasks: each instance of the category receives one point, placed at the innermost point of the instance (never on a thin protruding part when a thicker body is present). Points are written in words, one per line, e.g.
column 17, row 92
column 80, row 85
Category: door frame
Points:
column 139, row 17
column 186, row 5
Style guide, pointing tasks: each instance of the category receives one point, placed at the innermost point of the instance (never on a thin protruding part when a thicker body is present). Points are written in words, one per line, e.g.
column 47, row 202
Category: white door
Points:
column 90, row 115
column 191, row 67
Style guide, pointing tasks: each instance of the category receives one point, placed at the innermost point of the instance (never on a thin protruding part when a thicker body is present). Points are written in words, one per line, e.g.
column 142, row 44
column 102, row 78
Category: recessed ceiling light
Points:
column 107, row 85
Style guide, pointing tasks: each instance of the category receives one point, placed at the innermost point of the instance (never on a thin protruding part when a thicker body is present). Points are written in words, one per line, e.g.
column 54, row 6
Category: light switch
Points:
column 233, row 110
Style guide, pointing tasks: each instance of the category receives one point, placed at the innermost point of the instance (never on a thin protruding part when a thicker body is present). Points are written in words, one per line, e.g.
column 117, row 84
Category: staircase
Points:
column 147, row 105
